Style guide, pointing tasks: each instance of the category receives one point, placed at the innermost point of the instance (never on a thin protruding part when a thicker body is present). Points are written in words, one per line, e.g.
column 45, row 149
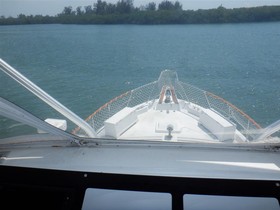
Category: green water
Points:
column 84, row 66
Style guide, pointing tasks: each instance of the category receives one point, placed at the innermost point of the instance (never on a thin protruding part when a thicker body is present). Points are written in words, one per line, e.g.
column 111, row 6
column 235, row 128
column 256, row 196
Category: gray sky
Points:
column 53, row 7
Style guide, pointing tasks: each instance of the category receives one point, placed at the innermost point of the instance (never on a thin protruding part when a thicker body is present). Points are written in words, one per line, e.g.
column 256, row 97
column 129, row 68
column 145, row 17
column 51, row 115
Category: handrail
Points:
column 14, row 74
column 235, row 108
column 107, row 104
column 74, row 131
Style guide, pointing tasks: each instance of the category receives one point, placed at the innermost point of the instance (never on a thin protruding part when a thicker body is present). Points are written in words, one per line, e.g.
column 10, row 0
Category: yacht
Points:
column 164, row 145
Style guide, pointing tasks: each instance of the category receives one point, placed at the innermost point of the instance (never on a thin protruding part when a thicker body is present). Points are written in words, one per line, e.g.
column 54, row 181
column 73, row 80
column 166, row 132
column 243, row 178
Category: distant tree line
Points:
column 166, row 12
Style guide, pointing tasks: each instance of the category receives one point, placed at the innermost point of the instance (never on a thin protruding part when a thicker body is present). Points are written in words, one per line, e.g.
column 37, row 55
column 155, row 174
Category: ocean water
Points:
column 84, row 66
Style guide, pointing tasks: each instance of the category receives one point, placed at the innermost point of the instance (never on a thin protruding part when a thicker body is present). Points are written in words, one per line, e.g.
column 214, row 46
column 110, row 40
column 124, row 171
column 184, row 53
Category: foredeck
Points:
column 152, row 125
column 180, row 121
column 190, row 113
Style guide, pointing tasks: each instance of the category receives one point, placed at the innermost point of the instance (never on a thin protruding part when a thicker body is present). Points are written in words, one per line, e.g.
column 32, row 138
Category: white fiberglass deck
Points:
column 187, row 125
column 152, row 125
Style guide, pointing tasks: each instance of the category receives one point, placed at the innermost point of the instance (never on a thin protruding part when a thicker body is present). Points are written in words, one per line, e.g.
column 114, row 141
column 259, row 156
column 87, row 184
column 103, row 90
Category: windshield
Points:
column 221, row 84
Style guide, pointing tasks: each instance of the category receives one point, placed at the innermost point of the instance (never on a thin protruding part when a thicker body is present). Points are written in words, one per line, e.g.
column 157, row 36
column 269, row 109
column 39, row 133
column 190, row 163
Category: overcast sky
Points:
column 53, row 7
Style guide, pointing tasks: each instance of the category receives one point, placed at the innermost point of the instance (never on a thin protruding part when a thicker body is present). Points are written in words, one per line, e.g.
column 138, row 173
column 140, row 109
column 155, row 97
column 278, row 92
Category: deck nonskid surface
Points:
column 153, row 125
